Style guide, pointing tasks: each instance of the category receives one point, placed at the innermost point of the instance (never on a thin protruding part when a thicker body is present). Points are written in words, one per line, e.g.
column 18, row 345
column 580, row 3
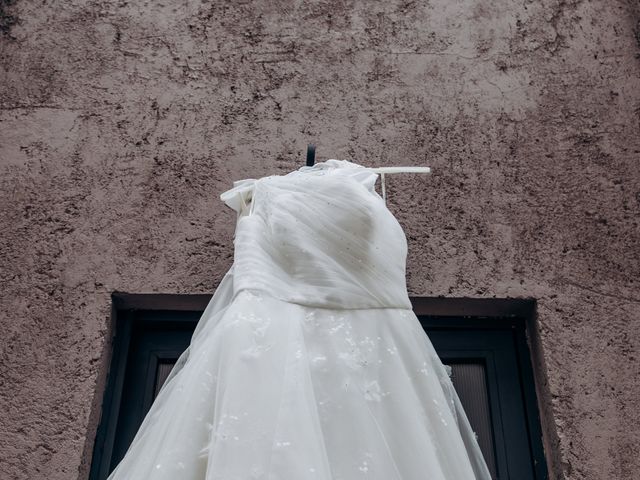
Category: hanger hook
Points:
column 311, row 155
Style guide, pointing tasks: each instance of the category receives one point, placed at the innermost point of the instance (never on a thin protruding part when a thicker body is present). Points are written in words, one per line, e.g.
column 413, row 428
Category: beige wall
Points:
column 122, row 122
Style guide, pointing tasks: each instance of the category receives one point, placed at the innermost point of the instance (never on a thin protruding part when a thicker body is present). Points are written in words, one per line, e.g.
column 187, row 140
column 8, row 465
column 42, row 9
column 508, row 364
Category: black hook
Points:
column 311, row 154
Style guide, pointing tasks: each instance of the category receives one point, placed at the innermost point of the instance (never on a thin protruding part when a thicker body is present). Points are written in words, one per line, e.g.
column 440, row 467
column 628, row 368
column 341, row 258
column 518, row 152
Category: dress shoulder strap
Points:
column 239, row 195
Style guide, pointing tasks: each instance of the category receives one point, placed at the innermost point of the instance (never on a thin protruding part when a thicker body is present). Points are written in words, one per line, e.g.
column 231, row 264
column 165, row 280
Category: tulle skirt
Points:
column 271, row 390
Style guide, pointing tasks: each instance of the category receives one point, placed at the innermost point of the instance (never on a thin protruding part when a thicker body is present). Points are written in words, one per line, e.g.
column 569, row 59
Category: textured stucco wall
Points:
column 122, row 122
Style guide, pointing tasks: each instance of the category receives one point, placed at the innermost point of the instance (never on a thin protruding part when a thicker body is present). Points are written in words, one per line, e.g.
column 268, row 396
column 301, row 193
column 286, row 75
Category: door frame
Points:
column 433, row 312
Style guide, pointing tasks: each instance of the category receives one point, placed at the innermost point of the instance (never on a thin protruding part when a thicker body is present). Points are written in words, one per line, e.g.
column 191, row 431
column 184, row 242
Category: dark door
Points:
column 489, row 360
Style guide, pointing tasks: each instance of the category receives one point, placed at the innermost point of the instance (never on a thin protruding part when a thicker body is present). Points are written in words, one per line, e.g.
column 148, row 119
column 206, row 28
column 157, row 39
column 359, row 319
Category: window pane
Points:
column 470, row 382
column 164, row 369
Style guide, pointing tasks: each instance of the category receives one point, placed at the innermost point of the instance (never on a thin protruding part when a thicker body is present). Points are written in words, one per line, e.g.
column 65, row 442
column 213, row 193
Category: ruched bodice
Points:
column 319, row 236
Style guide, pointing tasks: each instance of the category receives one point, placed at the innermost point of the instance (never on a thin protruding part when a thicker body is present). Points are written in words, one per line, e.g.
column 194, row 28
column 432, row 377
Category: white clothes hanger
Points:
column 247, row 203
column 311, row 158
column 383, row 170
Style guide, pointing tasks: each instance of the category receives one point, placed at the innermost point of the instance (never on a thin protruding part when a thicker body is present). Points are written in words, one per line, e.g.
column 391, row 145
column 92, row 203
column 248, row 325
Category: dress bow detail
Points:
column 240, row 194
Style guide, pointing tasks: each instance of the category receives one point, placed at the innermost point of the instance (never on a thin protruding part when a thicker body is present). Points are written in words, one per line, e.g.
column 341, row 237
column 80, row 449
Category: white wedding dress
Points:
column 308, row 362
